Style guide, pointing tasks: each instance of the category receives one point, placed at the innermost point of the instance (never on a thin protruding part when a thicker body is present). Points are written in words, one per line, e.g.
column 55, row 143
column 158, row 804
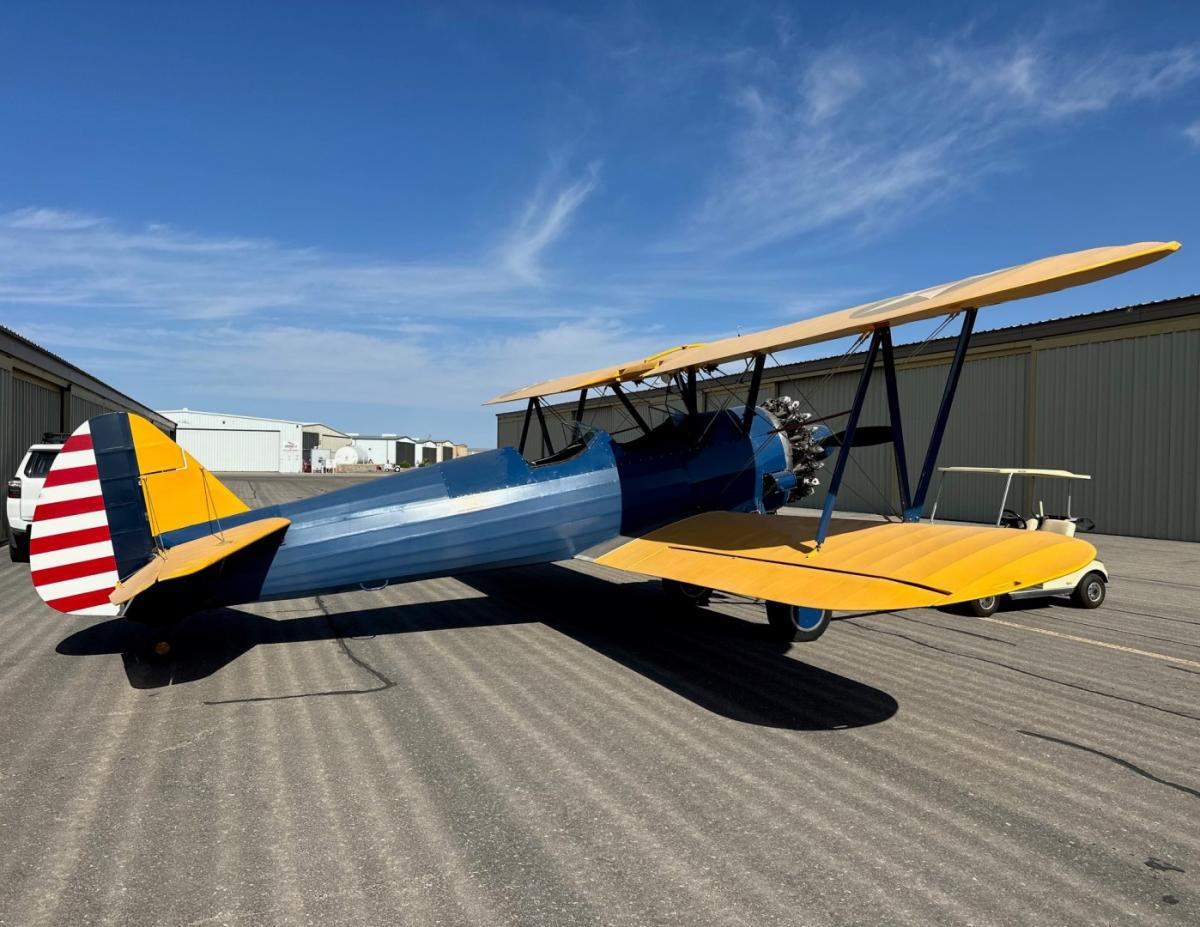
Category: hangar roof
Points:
column 326, row 429
column 171, row 413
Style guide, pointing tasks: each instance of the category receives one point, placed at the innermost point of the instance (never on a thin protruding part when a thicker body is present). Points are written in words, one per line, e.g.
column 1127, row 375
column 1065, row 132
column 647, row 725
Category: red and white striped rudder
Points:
column 71, row 558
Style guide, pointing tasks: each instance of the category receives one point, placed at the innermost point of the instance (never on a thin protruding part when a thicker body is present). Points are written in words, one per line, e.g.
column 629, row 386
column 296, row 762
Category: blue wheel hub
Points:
column 807, row 619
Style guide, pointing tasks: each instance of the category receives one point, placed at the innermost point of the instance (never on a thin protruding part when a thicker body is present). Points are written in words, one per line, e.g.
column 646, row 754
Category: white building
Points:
column 243, row 443
column 402, row 450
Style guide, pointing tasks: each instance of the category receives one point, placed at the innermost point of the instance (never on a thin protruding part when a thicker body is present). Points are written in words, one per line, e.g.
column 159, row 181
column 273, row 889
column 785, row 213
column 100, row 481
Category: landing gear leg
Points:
column 796, row 623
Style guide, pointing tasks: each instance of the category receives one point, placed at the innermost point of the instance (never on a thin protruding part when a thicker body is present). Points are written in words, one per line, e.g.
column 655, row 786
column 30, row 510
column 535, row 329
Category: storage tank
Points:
column 348, row 456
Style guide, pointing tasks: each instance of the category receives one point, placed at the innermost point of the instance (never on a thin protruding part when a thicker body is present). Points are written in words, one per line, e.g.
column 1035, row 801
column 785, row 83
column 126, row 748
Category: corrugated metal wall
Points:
column 33, row 408
column 10, row 456
column 83, row 408
column 1125, row 410
column 36, row 409
column 1128, row 412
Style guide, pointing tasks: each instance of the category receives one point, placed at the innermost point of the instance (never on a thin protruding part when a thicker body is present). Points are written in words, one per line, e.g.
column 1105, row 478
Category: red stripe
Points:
column 71, row 603
column 69, row 507
column 73, row 570
column 81, row 442
column 71, row 475
column 69, row 539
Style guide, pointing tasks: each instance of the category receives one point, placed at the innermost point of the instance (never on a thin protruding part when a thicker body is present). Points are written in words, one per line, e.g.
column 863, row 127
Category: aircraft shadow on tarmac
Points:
column 721, row 663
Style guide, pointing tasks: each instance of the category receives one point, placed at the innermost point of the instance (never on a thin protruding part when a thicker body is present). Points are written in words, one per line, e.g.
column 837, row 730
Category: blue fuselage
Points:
column 495, row 509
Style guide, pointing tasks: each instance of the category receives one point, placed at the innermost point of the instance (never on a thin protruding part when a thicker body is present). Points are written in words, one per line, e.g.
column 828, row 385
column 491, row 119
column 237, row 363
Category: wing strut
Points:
column 535, row 405
column 547, row 444
column 893, row 397
column 913, row 512
column 687, row 389
column 525, row 426
column 911, row 502
column 760, row 361
column 633, row 413
column 860, row 394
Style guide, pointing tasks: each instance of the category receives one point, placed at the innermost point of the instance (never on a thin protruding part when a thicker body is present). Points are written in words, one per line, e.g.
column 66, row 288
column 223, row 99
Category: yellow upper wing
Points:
column 1032, row 279
column 863, row 566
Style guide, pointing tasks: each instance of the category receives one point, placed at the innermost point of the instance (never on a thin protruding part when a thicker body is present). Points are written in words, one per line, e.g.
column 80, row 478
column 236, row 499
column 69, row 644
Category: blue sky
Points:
column 380, row 215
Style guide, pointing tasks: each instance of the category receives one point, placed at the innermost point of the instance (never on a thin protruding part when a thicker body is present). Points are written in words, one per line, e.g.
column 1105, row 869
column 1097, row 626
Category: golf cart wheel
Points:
column 795, row 624
column 983, row 608
column 1090, row 592
column 685, row 595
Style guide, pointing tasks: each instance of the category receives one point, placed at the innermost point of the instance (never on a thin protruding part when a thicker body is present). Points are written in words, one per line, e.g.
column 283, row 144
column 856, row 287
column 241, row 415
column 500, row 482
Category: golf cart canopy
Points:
column 1008, row 472
column 1017, row 471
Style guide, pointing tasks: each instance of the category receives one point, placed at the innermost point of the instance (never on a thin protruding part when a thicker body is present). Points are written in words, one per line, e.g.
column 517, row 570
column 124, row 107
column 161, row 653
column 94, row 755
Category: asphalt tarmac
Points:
column 548, row 746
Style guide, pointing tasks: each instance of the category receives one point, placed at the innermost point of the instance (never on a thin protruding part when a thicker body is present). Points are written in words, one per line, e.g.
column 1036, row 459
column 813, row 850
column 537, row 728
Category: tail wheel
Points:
column 795, row 623
column 1090, row 591
column 982, row 608
column 685, row 595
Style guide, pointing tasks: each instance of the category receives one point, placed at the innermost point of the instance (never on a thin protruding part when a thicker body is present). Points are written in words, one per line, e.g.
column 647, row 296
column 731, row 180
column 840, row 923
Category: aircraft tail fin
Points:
column 117, row 486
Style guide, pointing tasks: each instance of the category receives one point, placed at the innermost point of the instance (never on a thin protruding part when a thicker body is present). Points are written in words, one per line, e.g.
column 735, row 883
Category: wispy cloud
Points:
column 291, row 366
column 859, row 136
column 57, row 257
column 1192, row 133
column 545, row 219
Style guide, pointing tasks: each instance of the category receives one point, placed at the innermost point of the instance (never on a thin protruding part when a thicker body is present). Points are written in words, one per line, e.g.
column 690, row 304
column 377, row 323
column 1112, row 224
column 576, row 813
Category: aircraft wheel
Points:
column 161, row 647
column 793, row 623
column 685, row 595
column 982, row 608
column 1090, row 591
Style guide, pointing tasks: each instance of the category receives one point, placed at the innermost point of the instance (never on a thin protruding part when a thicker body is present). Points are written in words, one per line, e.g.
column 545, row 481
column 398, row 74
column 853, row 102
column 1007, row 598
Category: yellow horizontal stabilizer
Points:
column 863, row 566
column 1033, row 279
column 193, row 556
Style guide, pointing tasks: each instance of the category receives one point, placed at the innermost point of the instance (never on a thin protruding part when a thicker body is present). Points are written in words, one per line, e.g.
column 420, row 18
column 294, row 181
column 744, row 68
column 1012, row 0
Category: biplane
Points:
column 130, row 524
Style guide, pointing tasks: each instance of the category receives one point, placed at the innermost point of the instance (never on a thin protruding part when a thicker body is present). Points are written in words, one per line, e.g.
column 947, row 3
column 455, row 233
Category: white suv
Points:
column 23, row 491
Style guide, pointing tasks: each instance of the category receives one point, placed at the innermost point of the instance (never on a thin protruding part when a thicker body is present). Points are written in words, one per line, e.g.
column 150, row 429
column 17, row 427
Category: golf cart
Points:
column 1085, row 587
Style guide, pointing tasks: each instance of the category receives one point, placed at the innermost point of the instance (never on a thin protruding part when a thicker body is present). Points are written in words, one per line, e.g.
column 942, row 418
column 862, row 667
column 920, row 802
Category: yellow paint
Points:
column 863, row 566
column 179, row 492
column 683, row 347
column 193, row 556
column 1047, row 275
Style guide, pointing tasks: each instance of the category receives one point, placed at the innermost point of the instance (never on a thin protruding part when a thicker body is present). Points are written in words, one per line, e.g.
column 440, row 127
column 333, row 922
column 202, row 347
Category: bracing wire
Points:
column 725, row 405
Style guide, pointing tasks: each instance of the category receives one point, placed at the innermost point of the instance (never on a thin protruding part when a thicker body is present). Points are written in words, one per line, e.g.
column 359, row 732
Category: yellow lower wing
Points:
column 863, row 566
column 193, row 556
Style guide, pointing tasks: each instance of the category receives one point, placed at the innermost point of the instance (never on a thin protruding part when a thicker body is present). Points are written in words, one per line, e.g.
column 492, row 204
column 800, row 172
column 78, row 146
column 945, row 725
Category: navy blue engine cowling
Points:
column 700, row 463
column 495, row 509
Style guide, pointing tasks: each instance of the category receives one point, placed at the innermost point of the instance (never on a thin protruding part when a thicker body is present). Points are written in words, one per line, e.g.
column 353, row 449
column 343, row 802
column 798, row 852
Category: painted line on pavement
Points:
column 1087, row 640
